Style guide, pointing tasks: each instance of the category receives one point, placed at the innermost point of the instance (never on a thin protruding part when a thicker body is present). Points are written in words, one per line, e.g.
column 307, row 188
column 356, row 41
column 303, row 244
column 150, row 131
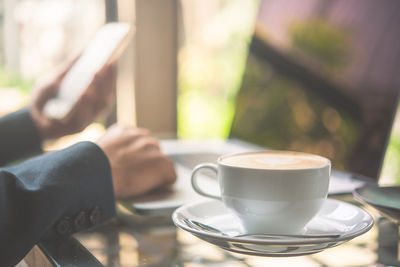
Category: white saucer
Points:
column 335, row 218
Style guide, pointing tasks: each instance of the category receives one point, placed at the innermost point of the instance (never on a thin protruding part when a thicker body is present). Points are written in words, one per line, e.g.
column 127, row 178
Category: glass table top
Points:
column 133, row 240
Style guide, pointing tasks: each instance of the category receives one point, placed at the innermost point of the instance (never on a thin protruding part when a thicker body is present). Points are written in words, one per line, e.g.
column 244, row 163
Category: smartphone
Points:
column 106, row 46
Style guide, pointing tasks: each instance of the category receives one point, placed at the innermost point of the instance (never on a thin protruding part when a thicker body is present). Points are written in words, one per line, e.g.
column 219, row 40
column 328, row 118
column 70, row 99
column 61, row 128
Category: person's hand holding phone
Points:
column 98, row 99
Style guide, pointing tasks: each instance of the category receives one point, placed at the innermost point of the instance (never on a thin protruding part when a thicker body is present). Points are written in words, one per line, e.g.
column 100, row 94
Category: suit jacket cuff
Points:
column 57, row 194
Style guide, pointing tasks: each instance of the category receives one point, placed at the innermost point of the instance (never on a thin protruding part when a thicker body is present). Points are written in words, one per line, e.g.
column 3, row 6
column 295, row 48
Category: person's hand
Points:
column 97, row 100
column 137, row 164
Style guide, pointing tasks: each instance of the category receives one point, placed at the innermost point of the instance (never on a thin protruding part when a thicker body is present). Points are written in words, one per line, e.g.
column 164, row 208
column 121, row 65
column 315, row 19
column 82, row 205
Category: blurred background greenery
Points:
column 211, row 64
column 14, row 90
column 10, row 79
column 391, row 167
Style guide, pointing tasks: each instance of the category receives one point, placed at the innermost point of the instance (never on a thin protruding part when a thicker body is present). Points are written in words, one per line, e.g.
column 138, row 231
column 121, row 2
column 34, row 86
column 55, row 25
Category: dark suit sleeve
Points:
column 53, row 195
column 19, row 137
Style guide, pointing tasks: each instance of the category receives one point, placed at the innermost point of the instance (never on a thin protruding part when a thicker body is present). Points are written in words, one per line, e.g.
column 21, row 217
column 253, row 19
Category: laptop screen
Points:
column 323, row 77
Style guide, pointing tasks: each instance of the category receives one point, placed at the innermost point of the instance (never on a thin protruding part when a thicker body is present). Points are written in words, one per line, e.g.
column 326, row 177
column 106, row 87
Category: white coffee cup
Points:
column 271, row 192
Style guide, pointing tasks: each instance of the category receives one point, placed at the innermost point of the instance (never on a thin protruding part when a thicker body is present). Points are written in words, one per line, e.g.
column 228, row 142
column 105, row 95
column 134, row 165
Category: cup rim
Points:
column 220, row 158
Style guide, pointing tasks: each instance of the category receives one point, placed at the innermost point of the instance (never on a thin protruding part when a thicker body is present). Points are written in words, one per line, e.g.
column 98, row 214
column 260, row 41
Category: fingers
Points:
column 128, row 135
column 63, row 69
column 106, row 77
column 168, row 170
column 144, row 143
column 43, row 91
column 138, row 165
column 109, row 69
column 139, row 146
column 101, row 93
column 95, row 102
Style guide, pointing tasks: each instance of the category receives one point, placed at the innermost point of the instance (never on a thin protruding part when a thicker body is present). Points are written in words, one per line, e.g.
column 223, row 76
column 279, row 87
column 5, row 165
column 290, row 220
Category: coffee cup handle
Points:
column 196, row 187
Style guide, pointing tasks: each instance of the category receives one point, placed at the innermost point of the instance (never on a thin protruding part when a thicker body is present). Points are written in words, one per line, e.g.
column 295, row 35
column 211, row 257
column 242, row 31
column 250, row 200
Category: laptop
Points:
column 320, row 77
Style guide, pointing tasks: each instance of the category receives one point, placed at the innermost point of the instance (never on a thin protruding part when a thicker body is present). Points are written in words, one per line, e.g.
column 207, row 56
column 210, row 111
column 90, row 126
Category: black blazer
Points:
column 51, row 195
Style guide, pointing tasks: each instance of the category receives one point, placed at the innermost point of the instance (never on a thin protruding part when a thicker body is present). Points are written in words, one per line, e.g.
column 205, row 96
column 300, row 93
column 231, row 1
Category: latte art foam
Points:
column 278, row 160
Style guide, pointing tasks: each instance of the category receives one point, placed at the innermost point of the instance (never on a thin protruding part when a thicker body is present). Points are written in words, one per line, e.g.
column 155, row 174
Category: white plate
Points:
column 335, row 218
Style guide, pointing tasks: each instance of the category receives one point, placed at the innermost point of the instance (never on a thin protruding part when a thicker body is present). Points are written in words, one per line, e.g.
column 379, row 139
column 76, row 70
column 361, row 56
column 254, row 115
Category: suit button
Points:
column 80, row 221
column 64, row 226
column 95, row 216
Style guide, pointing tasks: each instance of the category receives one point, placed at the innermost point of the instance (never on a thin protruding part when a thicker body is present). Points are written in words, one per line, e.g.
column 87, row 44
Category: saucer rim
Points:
column 267, row 241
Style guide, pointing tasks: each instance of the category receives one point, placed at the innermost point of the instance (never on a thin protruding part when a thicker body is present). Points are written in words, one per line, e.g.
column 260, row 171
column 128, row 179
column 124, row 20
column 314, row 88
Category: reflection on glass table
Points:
column 133, row 240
